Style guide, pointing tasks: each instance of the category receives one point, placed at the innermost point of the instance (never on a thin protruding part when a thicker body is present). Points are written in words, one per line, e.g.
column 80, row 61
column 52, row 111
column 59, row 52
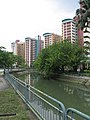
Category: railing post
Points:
column 63, row 110
column 27, row 92
column 74, row 111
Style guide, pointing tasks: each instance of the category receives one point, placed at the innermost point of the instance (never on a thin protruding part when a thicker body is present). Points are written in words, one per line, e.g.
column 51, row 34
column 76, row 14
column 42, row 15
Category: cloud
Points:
column 23, row 18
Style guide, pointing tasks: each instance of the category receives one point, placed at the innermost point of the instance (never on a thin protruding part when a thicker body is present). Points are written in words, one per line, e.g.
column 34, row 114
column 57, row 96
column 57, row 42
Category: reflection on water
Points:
column 71, row 94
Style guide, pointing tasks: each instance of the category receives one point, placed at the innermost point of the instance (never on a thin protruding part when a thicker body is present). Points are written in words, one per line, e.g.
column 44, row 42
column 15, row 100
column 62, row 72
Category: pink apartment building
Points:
column 33, row 46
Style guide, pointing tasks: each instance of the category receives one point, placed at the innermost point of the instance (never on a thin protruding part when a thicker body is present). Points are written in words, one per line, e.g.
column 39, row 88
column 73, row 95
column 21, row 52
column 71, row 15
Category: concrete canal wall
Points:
column 76, row 79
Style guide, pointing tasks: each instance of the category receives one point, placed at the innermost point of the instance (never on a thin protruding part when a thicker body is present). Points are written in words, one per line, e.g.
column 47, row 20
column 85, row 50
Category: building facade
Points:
column 69, row 31
column 39, row 45
column 18, row 48
column 50, row 38
column 86, row 37
column 32, row 49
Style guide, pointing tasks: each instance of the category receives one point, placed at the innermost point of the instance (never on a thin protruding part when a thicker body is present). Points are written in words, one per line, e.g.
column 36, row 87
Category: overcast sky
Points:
column 29, row 18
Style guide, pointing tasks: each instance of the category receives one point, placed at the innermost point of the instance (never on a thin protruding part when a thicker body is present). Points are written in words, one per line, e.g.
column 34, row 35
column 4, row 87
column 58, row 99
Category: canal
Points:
column 70, row 94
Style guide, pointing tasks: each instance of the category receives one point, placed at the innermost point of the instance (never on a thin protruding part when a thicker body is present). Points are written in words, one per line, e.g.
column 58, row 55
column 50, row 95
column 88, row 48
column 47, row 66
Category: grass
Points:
column 11, row 103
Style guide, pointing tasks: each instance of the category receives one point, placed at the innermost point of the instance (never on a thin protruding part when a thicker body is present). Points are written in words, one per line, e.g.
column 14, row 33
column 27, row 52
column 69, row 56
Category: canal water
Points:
column 70, row 94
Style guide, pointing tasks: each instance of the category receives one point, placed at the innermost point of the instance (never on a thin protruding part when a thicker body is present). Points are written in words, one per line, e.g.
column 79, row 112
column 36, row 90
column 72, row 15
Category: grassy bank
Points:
column 11, row 103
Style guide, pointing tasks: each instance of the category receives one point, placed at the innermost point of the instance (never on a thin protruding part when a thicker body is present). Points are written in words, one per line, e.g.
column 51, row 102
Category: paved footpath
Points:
column 3, row 84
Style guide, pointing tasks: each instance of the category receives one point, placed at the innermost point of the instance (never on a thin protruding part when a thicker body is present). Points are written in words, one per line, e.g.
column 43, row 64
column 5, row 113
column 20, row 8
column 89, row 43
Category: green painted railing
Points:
column 44, row 106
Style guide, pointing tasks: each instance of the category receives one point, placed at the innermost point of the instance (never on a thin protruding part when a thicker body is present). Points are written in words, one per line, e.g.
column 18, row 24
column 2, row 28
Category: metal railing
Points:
column 44, row 106
column 38, row 101
column 73, row 114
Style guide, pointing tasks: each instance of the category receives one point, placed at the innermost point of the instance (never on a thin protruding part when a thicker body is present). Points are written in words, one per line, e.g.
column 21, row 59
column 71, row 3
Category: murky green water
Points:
column 70, row 94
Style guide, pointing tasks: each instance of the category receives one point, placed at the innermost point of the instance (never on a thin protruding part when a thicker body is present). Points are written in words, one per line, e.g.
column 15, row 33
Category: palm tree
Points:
column 83, row 14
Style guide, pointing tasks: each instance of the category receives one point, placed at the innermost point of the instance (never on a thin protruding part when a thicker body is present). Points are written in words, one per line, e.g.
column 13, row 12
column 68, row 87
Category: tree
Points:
column 20, row 62
column 10, row 61
column 41, row 62
column 83, row 14
column 3, row 57
column 7, row 59
column 55, row 58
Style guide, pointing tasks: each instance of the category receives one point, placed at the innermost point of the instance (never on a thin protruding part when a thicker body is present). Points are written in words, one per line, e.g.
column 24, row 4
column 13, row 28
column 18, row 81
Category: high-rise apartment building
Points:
column 32, row 49
column 51, row 38
column 86, row 34
column 39, row 45
column 86, row 37
column 18, row 48
column 14, row 46
column 69, row 31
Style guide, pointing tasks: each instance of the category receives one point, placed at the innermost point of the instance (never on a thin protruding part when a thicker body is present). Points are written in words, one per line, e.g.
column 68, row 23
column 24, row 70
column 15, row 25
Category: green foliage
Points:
column 55, row 58
column 19, row 61
column 7, row 59
column 87, row 71
column 83, row 14
column 3, row 57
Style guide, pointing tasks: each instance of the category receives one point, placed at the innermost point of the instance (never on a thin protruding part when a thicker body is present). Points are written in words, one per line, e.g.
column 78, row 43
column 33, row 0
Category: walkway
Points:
column 3, row 84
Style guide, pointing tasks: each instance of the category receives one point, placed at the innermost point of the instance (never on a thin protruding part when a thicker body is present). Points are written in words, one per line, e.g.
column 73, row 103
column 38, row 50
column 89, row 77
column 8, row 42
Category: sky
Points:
column 28, row 18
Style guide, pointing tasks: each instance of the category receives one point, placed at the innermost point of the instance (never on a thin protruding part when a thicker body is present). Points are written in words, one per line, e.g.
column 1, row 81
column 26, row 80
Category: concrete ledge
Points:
column 76, row 79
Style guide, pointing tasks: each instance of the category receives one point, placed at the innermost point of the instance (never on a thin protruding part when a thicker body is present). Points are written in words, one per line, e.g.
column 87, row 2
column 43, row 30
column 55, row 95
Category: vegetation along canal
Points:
column 70, row 94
